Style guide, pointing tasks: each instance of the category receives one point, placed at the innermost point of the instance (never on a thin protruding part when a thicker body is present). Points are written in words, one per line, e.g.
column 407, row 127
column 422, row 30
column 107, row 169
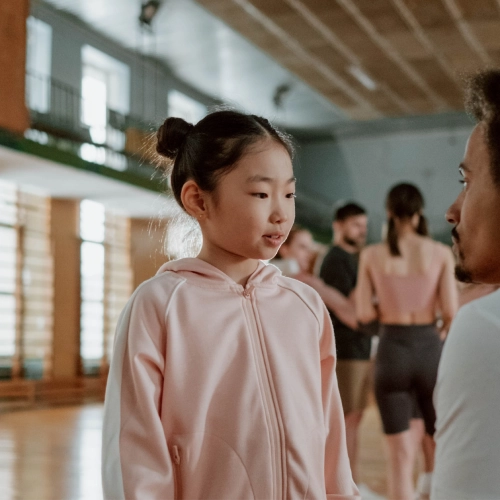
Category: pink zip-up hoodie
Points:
column 223, row 392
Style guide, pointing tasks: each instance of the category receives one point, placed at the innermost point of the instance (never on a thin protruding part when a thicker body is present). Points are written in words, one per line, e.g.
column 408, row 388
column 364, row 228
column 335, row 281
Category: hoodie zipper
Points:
column 270, row 403
column 176, row 459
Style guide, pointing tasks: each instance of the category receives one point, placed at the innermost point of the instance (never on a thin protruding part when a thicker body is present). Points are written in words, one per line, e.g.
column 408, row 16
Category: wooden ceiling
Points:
column 415, row 51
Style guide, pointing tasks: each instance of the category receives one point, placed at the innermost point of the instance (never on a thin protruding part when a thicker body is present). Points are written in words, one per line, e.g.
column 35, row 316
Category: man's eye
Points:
column 464, row 183
column 260, row 195
column 291, row 195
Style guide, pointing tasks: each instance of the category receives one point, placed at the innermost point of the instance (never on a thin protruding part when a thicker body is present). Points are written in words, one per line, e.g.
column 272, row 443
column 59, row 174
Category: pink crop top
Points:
column 407, row 294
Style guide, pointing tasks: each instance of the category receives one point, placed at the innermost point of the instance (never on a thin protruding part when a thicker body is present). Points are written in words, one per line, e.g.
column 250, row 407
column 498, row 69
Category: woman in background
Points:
column 404, row 282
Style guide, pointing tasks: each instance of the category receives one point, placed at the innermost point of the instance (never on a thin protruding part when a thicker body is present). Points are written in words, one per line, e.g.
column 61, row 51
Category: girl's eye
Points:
column 291, row 195
column 260, row 195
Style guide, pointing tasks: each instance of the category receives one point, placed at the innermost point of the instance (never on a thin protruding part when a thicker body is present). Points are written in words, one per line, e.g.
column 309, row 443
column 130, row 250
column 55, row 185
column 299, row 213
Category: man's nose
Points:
column 453, row 213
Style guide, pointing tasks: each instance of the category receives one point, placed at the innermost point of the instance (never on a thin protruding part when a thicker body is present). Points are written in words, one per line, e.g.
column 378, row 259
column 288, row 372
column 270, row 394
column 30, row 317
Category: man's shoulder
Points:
column 483, row 310
column 476, row 325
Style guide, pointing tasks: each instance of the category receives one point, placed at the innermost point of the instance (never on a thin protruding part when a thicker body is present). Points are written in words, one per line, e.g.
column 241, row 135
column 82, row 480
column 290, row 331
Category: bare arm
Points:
column 365, row 310
column 339, row 304
column 448, row 291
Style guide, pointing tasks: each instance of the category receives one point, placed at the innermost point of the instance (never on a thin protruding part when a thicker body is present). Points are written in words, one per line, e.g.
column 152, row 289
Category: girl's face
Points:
column 299, row 249
column 253, row 207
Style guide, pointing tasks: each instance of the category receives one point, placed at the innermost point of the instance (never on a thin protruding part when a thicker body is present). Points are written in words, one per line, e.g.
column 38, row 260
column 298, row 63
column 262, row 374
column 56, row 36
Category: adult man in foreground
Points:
column 467, row 394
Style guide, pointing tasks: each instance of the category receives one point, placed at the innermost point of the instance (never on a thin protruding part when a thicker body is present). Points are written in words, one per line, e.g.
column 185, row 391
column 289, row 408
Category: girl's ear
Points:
column 193, row 199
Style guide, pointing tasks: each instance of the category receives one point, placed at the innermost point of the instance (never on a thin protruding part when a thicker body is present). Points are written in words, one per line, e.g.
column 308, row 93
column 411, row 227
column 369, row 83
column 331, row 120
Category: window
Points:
column 183, row 106
column 118, row 275
column 8, row 261
column 38, row 64
column 94, row 103
column 92, row 283
column 26, row 283
column 37, row 284
column 106, row 281
column 105, row 85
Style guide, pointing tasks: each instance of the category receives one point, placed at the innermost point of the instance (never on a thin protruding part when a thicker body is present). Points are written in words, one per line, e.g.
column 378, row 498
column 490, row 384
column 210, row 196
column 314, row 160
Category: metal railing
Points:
column 56, row 109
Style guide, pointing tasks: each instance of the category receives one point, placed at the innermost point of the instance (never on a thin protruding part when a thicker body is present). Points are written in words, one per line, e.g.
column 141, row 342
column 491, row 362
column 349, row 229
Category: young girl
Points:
column 412, row 277
column 222, row 384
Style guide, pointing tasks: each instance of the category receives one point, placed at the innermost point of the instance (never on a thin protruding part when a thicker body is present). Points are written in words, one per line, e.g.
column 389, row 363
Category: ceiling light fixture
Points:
column 362, row 77
column 148, row 11
column 280, row 93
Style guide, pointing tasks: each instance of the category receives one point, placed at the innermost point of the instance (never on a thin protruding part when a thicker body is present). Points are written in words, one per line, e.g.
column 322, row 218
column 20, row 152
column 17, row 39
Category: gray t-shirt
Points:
column 467, row 400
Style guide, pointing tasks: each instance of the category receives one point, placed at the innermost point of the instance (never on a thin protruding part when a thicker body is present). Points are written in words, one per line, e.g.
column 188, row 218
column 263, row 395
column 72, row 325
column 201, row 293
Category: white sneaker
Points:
column 367, row 494
column 424, row 486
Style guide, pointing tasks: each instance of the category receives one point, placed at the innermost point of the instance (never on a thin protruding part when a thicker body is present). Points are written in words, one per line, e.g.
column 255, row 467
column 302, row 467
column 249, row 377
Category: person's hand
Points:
column 309, row 279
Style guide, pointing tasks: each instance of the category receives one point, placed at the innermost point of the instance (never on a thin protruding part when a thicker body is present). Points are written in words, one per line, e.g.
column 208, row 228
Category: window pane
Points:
column 8, row 239
column 92, row 221
column 183, row 106
column 38, row 63
column 92, row 329
column 94, row 109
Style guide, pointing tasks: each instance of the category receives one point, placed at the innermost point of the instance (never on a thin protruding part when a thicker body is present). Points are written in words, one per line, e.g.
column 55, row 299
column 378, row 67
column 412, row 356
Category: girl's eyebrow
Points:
column 261, row 178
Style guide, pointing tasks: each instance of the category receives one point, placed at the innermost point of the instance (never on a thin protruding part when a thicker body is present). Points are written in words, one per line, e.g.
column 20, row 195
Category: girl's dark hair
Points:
column 211, row 148
column 403, row 202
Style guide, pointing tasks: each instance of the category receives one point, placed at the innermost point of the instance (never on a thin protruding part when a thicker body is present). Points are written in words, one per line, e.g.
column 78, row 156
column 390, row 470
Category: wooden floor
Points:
column 54, row 453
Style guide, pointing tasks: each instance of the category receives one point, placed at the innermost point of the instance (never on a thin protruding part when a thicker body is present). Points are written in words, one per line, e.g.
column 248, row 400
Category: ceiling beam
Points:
column 466, row 31
column 342, row 48
column 392, row 53
column 421, row 36
column 307, row 57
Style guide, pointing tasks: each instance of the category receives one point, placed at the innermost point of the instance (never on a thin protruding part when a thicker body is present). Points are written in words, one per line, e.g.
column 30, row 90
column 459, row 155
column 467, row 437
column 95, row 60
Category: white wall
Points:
column 363, row 168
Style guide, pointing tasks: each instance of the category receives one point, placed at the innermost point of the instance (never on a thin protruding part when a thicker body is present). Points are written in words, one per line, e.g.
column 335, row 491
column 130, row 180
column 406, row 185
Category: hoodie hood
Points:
column 204, row 274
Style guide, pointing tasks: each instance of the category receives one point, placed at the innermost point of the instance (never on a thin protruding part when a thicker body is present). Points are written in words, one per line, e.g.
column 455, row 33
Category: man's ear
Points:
column 193, row 199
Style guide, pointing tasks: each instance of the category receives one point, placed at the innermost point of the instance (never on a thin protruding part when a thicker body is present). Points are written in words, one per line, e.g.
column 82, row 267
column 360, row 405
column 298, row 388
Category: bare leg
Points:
column 352, row 421
column 426, row 442
column 417, row 430
column 424, row 483
column 429, row 449
column 401, row 449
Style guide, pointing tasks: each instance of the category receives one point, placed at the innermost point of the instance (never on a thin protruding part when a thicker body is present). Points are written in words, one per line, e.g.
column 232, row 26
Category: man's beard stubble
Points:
column 354, row 243
column 461, row 273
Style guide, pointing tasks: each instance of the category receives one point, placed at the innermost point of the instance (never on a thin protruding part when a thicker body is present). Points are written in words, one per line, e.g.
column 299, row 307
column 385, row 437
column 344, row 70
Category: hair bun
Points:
column 171, row 136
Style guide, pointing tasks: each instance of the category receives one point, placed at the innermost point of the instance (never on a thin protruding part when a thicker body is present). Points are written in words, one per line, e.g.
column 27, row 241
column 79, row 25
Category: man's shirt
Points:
column 340, row 270
column 467, row 400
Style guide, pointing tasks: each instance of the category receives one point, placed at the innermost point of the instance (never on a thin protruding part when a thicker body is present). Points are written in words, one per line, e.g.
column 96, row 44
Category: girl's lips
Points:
column 274, row 240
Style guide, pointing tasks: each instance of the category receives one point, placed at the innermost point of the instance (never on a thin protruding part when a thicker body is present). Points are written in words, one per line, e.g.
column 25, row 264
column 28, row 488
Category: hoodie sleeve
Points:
column 136, row 464
column 338, row 477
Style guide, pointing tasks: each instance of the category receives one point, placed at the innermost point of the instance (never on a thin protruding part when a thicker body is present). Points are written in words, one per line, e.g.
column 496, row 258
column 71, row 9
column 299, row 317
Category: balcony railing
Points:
column 56, row 110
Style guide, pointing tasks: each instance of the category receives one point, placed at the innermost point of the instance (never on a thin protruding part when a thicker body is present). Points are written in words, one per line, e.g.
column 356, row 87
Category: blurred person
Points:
column 296, row 258
column 296, row 254
column 467, row 395
column 339, row 270
column 403, row 282
column 222, row 383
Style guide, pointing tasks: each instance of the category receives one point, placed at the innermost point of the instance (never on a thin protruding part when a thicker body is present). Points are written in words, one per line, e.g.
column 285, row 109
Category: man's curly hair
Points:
column 482, row 101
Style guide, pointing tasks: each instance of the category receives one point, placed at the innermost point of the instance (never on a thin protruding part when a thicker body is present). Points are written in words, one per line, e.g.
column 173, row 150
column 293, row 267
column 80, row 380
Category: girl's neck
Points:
column 236, row 267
